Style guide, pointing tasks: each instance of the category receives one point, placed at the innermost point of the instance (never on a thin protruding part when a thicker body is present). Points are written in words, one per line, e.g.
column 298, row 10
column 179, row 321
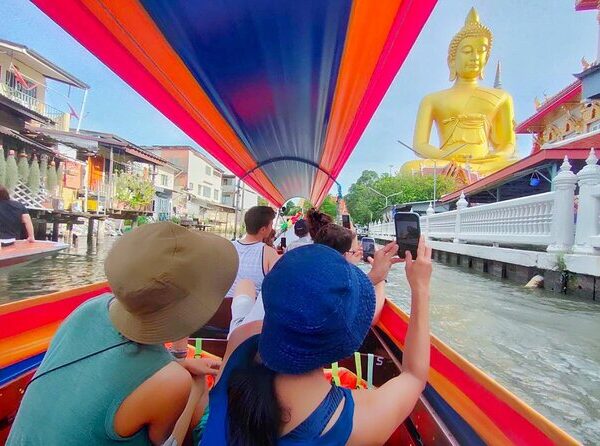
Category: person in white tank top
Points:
column 255, row 258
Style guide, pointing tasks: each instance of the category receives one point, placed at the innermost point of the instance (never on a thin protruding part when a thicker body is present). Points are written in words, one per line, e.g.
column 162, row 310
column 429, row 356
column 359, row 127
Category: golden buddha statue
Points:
column 475, row 124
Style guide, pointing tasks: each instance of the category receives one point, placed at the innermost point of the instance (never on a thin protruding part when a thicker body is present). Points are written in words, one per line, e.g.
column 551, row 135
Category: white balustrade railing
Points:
column 443, row 226
column 557, row 220
column 525, row 221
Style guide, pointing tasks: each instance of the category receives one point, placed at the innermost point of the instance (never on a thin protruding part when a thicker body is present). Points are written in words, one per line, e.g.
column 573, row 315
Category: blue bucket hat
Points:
column 318, row 310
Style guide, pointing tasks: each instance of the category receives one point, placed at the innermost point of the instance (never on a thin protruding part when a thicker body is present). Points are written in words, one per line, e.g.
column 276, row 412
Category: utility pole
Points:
column 387, row 197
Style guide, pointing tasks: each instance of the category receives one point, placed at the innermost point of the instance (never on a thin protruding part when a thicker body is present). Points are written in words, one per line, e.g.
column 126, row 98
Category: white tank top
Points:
column 251, row 264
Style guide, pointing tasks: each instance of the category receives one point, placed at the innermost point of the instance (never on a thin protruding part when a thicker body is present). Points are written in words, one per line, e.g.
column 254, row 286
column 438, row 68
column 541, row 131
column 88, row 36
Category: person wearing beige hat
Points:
column 107, row 377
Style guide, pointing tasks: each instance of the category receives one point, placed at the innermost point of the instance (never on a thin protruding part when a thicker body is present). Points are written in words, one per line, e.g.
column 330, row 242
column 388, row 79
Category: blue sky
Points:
column 540, row 44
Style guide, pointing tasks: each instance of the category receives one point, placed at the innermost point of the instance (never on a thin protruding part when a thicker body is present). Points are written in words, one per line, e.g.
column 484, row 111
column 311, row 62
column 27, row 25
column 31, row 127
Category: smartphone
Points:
column 368, row 246
column 408, row 232
column 283, row 242
column 346, row 221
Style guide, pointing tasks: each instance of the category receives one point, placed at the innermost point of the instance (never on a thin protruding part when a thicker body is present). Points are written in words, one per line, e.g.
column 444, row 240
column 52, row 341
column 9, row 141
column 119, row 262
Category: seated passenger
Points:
column 316, row 220
column 107, row 378
column 301, row 231
column 318, row 310
column 255, row 257
column 343, row 240
column 13, row 216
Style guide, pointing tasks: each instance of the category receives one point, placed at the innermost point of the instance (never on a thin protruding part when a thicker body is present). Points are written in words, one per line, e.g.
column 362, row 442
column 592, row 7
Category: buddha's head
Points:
column 469, row 49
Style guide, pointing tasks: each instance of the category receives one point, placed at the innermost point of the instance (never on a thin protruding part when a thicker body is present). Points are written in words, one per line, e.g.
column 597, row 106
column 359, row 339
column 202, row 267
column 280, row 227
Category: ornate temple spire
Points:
column 498, row 79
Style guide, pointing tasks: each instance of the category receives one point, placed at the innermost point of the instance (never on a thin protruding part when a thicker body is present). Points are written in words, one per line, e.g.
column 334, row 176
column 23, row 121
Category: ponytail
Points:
column 316, row 220
column 254, row 412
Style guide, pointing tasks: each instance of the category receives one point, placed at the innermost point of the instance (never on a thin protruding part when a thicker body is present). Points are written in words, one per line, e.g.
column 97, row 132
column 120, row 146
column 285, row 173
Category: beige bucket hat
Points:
column 168, row 281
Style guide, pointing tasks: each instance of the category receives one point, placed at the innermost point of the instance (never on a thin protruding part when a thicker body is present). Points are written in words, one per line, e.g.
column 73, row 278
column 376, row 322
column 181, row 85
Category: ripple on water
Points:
column 76, row 266
column 541, row 346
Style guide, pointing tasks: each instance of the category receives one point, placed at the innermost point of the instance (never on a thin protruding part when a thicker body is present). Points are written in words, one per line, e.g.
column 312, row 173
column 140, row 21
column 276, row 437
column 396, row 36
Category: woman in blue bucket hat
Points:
column 318, row 310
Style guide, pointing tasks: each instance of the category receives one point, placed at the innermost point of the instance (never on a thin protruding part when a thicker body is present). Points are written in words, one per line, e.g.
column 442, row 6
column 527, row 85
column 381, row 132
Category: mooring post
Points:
column 55, row 227
column 90, row 232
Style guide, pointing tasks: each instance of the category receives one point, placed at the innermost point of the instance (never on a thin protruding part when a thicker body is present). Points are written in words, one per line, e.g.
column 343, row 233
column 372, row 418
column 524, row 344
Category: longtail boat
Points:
column 279, row 91
column 24, row 252
column 460, row 405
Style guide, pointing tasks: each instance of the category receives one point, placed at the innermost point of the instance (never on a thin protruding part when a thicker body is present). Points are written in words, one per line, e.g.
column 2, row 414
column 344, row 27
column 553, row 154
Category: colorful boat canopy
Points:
column 279, row 91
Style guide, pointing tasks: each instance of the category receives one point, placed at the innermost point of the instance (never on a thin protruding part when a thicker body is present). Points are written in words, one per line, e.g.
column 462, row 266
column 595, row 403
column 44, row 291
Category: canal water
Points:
column 543, row 347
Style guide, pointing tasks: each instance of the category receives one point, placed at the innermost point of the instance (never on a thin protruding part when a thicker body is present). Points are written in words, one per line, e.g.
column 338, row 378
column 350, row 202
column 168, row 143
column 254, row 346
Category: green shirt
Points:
column 76, row 404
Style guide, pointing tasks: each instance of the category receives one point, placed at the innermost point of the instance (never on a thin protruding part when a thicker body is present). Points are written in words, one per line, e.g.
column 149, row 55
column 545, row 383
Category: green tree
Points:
column 262, row 202
column 365, row 205
column 134, row 191
column 291, row 208
column 329, row 206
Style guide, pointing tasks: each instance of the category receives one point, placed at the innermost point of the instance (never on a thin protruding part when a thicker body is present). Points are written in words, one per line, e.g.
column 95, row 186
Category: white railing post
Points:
column 588, row 209
column 563, row 217
column 430, row 212
column 461, row 204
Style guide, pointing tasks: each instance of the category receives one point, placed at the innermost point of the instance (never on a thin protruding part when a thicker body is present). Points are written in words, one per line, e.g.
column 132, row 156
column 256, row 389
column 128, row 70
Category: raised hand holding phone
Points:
column 418, row 271
column 408, row 232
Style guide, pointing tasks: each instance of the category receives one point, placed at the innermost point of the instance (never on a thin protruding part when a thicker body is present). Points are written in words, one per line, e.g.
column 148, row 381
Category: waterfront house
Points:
column 26, row 78
column 200, row 187
column 247, row 196
column 107, row 160
column 166, row 194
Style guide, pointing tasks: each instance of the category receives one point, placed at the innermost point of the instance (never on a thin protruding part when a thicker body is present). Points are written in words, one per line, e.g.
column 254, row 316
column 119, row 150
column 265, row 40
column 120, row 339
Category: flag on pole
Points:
column 20, row 78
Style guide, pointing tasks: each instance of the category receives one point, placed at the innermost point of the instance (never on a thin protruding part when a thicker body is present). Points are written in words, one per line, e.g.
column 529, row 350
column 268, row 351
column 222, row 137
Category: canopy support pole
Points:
column 297, row 159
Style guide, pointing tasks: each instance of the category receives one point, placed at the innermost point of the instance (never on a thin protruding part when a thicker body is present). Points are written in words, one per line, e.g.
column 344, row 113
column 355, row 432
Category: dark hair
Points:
column 258, row 217
column 316, row 220
column 4, row 195
column 301, row 228
column 336, row 237
column 254, row 412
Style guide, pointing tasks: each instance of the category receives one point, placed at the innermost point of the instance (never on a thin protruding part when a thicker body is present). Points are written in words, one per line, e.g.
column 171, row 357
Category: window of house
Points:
column 208, row 170
column 191, row 187
column 164, row 180
column 199, row 189
column 216, row 173
column 216, row 195
column 206, row 191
